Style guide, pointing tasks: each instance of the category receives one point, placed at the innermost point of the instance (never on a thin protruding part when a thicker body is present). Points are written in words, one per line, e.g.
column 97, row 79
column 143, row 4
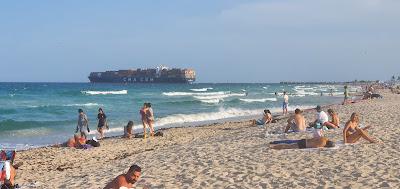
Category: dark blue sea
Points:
column 37, row 114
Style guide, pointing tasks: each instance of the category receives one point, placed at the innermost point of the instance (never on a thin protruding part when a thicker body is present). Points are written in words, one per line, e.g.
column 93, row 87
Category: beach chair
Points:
column 7, row 154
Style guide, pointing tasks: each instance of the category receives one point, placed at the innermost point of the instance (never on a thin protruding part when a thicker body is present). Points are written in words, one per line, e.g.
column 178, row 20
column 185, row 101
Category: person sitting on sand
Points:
column 303, row 143
column 128, row 130
column 76, row 142
column 322, row 120
column 352, row 133
column 126, row 180
column 267, row 118
column 296, row 123
column 335, row 118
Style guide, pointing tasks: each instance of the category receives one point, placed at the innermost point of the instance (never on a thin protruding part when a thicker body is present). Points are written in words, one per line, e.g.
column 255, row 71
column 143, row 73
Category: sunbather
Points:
column 296, row 123
column 303, row 143
column 267, row 118
column 126, row 180
column 352, row 133
column 335, row 118
column 322, row 120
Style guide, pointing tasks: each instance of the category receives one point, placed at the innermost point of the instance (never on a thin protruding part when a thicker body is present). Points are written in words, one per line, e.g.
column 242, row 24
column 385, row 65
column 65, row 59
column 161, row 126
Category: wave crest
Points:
column 121, row 92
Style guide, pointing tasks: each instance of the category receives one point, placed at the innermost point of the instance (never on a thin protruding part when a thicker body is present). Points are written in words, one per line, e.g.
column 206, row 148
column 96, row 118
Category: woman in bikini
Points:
column 352, row 133
column 335, row 118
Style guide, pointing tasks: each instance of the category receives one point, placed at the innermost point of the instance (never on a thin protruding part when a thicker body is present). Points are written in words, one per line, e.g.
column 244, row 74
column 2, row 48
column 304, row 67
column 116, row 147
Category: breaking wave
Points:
column 121, row 92
column 201, row 90
column 259, row 100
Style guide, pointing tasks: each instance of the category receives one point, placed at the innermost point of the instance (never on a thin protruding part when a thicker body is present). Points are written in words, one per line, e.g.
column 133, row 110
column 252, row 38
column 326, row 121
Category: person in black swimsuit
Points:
column 102, row 124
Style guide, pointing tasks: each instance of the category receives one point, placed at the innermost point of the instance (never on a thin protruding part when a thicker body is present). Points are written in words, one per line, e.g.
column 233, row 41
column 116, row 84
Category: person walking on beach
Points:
column 102, row 123
column 285, row 103
column 83, row 124
column 126, row 180
column 143, row 116
column 150, row 118
column 346, row 95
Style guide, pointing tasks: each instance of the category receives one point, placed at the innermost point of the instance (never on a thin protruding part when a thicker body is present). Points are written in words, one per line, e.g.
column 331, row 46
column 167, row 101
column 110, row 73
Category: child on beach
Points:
column 102, row 122
column 83, row 124
column 352, row 133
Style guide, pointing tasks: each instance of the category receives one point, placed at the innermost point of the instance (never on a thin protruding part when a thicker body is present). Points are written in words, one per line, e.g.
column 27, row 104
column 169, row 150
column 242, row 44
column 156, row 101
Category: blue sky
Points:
column 224, row 41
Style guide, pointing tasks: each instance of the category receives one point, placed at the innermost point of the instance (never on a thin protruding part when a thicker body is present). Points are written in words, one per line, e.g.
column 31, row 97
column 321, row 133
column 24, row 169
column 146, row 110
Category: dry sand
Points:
column 230, row 155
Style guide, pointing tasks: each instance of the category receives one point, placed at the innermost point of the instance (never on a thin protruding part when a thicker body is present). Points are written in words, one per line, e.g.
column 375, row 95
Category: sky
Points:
column 223, row 40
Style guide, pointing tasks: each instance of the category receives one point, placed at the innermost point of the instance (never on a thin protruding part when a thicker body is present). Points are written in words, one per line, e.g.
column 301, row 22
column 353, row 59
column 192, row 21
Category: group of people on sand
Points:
column 297, row 123
column 80, row 138
column 323, row 121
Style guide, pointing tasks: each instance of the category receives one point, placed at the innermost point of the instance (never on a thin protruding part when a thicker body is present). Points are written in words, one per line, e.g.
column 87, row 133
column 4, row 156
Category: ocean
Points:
column 39, row 114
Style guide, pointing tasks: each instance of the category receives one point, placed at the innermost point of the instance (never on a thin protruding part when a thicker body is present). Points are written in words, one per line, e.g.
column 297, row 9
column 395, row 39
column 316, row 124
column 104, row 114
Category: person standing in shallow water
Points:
column 102, row 122
column 285, row 103
column 83, row 124
column 150, row 118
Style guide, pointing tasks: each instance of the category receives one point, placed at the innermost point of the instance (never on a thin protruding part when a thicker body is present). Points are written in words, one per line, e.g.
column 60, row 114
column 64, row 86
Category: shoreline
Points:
column 239, row 119
column 222, row 155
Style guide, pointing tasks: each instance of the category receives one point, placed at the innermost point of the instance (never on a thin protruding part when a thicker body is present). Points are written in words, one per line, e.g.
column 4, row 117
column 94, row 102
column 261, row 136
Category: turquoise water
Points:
column 36, row 114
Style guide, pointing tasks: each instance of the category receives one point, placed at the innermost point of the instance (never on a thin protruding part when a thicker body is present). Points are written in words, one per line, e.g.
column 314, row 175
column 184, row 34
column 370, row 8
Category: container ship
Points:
column 161, row 74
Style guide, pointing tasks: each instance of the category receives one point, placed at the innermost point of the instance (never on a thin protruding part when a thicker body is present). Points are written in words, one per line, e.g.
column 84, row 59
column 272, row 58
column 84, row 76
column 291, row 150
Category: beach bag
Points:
column 93, row 143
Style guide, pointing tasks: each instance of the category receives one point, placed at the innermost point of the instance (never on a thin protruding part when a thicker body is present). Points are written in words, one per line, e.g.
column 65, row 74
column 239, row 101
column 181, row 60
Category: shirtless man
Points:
column 303, row 143
column 352, row 133
column 297, row 122
column 126, row 180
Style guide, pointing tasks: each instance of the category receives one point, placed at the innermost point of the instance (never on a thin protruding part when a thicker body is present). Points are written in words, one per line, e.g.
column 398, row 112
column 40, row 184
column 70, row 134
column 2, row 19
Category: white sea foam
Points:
column 202, row 89
column 259, row 100
column 121, row 92
column 193, row 94
column 218, row 96
column 212, row 101
column 86, row 104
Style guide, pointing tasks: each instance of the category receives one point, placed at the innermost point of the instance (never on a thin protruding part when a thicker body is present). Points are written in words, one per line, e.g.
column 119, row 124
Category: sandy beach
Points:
column 231, row 155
